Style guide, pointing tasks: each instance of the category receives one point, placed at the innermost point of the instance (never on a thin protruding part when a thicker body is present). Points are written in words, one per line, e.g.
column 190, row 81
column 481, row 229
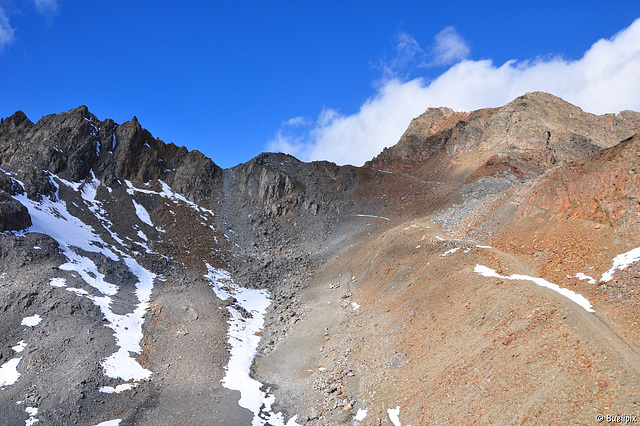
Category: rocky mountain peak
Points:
column 75, row 143
column 535, row 131
column 17, row 119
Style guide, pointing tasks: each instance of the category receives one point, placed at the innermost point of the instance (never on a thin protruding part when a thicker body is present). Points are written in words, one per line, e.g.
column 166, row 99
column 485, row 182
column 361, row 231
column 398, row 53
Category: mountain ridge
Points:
column 376, row 301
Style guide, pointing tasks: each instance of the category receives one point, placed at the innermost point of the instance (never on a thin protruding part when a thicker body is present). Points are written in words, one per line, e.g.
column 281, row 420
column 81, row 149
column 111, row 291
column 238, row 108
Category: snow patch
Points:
column 9, row 372
column 114, row 422
column 20, row 346
column 75, row 237
column 573, row 296
column 58, row 282
column 118, row 389
column 79, row 291
column 484, row 247
column 53, row 218
column 394, row 415
column 31, row 321
column 32, row 412
column 89, row 193
column 361, row 414
column 142, row 213
column 355, row 305
column 583, row 277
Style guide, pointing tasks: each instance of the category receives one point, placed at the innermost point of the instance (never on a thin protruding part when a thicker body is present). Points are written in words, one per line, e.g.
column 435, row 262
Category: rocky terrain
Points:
column 482, row 269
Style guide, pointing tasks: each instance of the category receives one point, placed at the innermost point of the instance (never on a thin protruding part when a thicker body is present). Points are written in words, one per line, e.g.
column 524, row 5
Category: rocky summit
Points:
column 483, row 269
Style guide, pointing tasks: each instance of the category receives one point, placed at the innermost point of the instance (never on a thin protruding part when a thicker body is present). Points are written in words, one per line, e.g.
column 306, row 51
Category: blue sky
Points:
column 321, row 80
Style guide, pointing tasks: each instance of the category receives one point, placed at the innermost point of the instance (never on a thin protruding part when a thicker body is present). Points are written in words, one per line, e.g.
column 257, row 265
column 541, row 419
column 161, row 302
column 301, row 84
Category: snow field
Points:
column 51, row 217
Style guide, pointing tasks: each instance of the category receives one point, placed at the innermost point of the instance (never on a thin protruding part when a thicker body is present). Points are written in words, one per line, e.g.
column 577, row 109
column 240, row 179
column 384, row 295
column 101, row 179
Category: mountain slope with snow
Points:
column 484, row 268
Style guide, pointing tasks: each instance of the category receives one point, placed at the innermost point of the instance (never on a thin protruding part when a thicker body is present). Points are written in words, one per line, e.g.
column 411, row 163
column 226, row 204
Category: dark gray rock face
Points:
column 13, row 215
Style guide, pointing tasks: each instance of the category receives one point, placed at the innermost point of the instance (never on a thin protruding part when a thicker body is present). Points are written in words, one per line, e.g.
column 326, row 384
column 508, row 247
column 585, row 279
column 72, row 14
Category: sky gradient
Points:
column 321, row 80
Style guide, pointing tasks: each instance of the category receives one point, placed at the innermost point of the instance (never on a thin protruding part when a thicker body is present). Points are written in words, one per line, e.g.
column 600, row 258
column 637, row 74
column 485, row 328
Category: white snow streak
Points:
column 573, row 296
column 244, row 342
column 583, row 277
column 453, row 250
column 118, row 389
column 369, row 215
column 168, row 193
column 114, row 422
column 621, row 261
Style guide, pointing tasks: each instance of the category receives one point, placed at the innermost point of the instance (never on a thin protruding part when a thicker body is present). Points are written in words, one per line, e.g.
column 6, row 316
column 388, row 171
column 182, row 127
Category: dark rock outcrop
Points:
column 13, row 215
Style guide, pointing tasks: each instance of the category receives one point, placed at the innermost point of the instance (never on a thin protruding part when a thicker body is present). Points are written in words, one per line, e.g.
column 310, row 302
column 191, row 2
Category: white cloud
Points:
column 6, row 32
column 295, row 122
column 450, row 47
column 46, row 7
column 605, row 79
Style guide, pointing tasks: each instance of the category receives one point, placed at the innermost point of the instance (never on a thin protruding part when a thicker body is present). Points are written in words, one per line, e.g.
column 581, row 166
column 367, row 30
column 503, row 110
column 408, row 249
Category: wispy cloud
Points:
column 48, row 8
column 6, row 32
column 605, row 79
column 450, row 47
column 296, row 122
column 406, row 54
